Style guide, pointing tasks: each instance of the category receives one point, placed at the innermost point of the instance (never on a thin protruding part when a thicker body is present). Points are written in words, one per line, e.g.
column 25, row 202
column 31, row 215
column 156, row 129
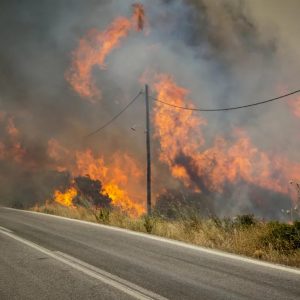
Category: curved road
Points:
column 48, row 257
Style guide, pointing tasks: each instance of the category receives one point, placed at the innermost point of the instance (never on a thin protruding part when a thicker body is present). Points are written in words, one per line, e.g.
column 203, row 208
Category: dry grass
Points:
column 251, row 241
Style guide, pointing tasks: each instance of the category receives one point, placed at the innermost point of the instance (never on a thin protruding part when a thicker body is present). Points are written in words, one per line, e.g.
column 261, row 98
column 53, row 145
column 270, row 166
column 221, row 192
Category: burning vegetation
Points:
column 95, row 47
column 193, row 168
column 210, row 169
column 85, row 192
column 65, row 198
column 117, row 178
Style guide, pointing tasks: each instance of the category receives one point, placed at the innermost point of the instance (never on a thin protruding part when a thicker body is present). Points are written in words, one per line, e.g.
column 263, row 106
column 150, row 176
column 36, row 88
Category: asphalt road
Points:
column 47, row 257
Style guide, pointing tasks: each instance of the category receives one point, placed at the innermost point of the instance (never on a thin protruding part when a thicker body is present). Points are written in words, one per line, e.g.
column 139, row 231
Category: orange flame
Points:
column 115, row 178
column 181, row 142
column 294, row 105
column 12, row 148
column 175, row 128
column 66, row 198
column 95, row 47
column 121, row 199
column 120, row 175
column 293, row 101
column 11, row 128
column 58, row 154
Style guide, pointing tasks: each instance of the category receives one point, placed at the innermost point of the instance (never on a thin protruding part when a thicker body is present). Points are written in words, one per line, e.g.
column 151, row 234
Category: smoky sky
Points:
column 224, row 52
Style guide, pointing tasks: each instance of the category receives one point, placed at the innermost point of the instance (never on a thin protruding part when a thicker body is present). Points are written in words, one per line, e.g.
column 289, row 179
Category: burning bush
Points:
column 84, row 191
column 91, row 191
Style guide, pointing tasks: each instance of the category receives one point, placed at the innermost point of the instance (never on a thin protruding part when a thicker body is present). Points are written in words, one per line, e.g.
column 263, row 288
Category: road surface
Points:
column 48, row 257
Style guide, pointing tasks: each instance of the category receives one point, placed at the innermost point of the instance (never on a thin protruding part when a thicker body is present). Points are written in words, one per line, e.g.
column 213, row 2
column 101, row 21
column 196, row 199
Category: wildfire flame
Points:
column 294, row 104
column 179, row 132
column 58, row 154
column 174, row 128
column 93, row 51
column 181, row 142
column 293, row 101
column 12, row 147
column 11, row 128
column 95, row 47
column 119, row 176
column 65, row 198
column 114, row 177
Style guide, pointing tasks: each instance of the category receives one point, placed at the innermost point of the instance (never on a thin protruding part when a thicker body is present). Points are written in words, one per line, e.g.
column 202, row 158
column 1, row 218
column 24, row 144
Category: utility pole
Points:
column 148, row 147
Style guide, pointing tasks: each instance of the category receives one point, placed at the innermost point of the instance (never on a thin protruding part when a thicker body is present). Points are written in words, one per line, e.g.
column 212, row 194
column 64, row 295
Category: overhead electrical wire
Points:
column 115, row 117
column 188, row 108
column 226, row 108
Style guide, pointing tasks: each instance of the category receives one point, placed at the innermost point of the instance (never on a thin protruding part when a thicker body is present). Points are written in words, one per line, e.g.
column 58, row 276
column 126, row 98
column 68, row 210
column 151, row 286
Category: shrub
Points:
column 297, row 226
column 148, row 224
column 191, row 225
column 18, row 205
column 217, row 221
column 195, row 222
column 228, row 224
column 245, row 220
column 102, row 215
column 283, row 237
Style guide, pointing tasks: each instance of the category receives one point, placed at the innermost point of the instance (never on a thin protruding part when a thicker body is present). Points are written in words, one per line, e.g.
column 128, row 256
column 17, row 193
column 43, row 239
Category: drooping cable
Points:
column 115, row 117
column 226, row 108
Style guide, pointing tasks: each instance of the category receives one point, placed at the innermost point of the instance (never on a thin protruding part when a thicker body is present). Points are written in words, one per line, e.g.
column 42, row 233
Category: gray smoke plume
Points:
column 226, row 53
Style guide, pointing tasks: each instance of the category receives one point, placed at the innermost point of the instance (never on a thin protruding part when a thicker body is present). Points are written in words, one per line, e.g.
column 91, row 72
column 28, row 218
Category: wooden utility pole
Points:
column 148, row 147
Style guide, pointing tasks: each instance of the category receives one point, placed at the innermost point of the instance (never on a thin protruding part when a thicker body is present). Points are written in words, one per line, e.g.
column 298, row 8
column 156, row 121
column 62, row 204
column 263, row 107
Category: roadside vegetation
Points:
column 186, row 216
column 270, row 241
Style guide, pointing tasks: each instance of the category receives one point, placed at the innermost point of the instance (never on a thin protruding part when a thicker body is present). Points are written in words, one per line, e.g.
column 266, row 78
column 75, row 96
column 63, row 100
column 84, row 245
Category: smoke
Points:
column 224, row 53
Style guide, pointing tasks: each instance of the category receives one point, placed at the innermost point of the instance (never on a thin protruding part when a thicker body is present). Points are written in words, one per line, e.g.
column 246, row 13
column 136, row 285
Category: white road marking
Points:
column 122, row 285
column 174, row 242
column 5, row 229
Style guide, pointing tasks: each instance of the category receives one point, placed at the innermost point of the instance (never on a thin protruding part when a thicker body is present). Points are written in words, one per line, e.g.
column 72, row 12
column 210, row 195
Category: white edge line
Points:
column 5, row 229
column 174, row 242
column 118, row 283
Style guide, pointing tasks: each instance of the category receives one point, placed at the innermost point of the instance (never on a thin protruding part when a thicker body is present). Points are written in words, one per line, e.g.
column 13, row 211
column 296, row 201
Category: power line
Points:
column 227, row 108
column 188, row 108
column 115, row 117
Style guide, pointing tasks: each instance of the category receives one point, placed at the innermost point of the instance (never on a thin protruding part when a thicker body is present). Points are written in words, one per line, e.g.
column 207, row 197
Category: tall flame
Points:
column 180, row 134
column 178, row 131
column 182, row 142
column 95, row 47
